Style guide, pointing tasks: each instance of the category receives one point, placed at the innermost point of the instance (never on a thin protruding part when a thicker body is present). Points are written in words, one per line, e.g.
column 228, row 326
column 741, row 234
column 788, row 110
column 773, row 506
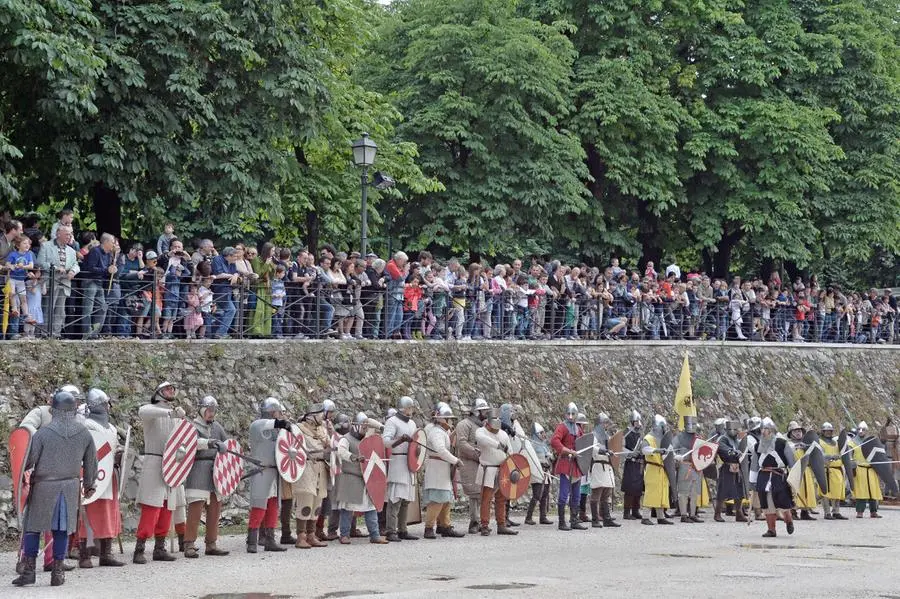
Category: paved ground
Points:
column 822, row 559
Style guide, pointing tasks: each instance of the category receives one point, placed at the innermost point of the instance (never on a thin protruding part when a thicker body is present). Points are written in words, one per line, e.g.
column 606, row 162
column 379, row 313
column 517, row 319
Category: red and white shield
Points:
column 179, row 454
column 703, row 454
column 415, row 456
column 228, row 469
column 105, row 441
column 290, row 455
column 374, row 468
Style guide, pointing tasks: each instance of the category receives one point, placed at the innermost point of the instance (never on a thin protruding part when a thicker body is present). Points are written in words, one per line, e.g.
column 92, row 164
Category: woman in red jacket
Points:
column 563, row 443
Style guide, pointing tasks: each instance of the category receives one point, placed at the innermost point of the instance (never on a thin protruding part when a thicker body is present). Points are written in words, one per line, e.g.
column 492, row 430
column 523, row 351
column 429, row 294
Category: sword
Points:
column 254, row 472
column 123, row 463
column 245, row 457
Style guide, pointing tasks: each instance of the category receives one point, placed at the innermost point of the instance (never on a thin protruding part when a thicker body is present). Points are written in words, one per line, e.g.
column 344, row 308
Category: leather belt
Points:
column 54, row 479
column 159, row 455
column 393, row 453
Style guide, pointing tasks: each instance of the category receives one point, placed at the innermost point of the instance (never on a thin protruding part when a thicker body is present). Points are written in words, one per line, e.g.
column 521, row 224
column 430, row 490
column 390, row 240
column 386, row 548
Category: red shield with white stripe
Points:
column 374, row 468
column 228, row 469
column 105, row 442
column 179, row 454
column 290, row 455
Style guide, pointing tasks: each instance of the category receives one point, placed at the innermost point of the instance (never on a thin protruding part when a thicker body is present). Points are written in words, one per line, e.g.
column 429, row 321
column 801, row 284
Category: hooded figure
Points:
column 437, row 489
column 689, row 481
column 563, row 444
column 656, row 481
column 633, row 468
column 730, row 483
column 468, row 454
column 771, row 461
column 351, row 495
column 602, row 475
column 401, row 491
column 866, row 484
column 264, row 486
column 834, row 468
column 61, row 453
column 310, row 490
column 540, row 477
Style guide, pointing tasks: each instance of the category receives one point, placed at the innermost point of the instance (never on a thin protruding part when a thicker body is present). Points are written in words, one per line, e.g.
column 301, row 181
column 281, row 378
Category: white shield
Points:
column 105, row 441
column 703, row 454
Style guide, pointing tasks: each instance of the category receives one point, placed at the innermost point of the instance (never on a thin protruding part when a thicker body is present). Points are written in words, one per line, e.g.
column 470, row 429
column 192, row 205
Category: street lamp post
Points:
column 364, row 150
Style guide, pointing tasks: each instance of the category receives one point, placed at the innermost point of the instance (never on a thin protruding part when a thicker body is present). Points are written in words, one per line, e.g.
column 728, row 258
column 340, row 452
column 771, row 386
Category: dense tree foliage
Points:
column 727, row 134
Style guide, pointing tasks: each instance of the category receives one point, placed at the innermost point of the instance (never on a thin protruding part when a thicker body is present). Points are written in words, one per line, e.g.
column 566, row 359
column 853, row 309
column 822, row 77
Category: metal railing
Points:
column 158, row 307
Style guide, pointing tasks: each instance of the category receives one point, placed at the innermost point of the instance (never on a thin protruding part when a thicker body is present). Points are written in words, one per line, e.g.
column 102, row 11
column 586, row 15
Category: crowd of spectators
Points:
column 91, row 287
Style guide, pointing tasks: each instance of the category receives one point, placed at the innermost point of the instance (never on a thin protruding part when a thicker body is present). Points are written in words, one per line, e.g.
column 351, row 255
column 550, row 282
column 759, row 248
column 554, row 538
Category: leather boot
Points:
column 106, row 558
column 159, row 551
column 26, row 577
column 717, row 514
column 58, row 573
column 301, row 536
column 636, row 513
column 429, row 533
column 770, row 523
column 474, row 526
column 608, row 522
column 582, row 509
column 139, row 557
column 269, row 541
column 595, row 515
column 180, row 543
column 252, row 540
column 804, row 515
column 529, row 514
column 286, row 537
column 505, row 530
column 84, row 555
column 213, row 549
column 575, row 522
column 450, row 532
column 789, row 523
column 545, row 508
column 740, row 516
column 562, row 518
column 509, row 521
column 311, row 535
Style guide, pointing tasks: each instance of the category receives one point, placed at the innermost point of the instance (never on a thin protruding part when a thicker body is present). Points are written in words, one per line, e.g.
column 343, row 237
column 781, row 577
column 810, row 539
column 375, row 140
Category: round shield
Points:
column 179, row 454
column 105, row 441
column 290, row 455
column 415, row 456
column 228, row 469
column 515, row 476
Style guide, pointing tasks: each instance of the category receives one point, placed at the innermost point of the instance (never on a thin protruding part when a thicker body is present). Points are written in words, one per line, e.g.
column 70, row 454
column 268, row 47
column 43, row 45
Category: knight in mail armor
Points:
column 199, row 488
column 401, row 490
column 540, row 477
column 326, row 513
column 834, row 468
column 602, row 476
column 157, row 500
column 730, row 484
column 310, row 489
column 563, row 443
column 508, row 423
column 754, row 433
column 102, row 517
column 805, row 496
column 468, row 457
column 689, row 479
column 633, row 469
column 64, row 459
column 437, row 489
column 866, row 484
column 351, row 495
column 264, row 485
column 772, row 459
column 341, row 427
column 493, row 447
column 656, row 481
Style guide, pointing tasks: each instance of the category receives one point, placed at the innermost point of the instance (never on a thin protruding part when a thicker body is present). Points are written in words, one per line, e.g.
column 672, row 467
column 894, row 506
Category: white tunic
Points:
column 36, row 418
column 602, row 474
column 491, row 455
column 438, row 462
column 343, row 452
column 401, row 482
column 152, row 490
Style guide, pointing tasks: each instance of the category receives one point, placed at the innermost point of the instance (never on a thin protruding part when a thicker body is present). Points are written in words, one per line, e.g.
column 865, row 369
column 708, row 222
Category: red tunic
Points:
column 103, row 516
column 563, row 438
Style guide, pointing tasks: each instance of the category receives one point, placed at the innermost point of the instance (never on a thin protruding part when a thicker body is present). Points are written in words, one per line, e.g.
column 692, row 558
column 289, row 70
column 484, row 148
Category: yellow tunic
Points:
column 835, row 471
column 703, row 501
column 866, row 484
column 656, row 483
column 805, row 497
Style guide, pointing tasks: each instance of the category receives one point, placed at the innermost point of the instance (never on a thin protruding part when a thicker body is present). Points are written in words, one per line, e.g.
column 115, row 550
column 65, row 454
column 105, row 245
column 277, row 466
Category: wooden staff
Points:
column 112, row 274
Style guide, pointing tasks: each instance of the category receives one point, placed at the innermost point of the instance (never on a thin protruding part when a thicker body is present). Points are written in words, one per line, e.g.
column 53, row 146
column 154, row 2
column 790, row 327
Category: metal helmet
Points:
column 720, row 425
column 406, row 405
column 493, row 419
column 793, row 425
column 827, row 427
column 732, row 427
column 581, row 418
column 481, row 408
column 342, row 424
column 571, row 411
column 635, row 417
column 602, row 420
column 75, row 391
column 269, row 406
column 444, row 412
column 754, row 423
column 660, row 425
column 768, row 423
column 537, row 428
column 690, row 424
column 440, row 404
column 97, row 401
column 328, row 406
column 862, row 428
column 359, row 424
column 63, row 401
column 161, row 387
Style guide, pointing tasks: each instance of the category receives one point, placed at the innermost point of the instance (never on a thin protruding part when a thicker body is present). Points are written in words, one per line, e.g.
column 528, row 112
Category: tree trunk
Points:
column 766, row 268
column 107, row 210
column 312, row 232
column 707, row 260
column 474, row 256
column 722, row 258
column 648, row 237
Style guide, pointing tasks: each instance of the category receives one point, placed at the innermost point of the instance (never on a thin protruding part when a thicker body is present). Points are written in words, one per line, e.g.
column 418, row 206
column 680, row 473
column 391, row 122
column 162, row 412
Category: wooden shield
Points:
column 415, row 455
column 19, row 443
column 290, row 455
column 515, row 467
column 584, row 458
column 228, row 469
column 105, row 442
column 616, row 444
column 374, row 469
column 179, row 454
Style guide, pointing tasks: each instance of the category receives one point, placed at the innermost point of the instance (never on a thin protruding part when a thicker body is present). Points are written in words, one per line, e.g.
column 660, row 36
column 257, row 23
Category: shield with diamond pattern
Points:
column 228, row 469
